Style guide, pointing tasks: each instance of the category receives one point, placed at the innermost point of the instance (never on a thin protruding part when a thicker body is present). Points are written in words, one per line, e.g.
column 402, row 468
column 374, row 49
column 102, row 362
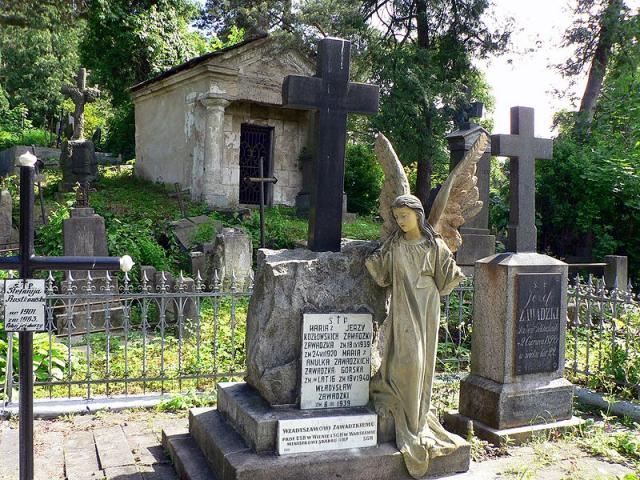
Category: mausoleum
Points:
column 207, row 123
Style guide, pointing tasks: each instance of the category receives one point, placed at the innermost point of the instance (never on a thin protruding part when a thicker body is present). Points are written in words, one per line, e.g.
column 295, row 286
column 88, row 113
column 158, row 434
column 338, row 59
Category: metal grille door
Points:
column 255, row 146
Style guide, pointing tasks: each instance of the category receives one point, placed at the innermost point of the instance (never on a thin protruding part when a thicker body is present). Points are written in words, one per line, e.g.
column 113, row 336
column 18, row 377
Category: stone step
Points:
column 229, row 457
column 187, row 457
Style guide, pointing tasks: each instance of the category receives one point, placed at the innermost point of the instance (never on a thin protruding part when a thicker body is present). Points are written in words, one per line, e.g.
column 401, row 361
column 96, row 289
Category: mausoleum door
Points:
column 255, row 147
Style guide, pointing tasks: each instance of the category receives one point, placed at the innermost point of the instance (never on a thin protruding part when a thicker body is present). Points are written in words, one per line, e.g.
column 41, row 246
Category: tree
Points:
column 588, row 197
column 129, row 41
column 423, row 63
column 40, row 14
column 253, row 16
column 35, row 63
column 599, row 26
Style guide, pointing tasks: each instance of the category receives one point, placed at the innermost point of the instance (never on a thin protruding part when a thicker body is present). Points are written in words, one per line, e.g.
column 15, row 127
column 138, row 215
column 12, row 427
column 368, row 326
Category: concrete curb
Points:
column 49, row 409
column 619, row 409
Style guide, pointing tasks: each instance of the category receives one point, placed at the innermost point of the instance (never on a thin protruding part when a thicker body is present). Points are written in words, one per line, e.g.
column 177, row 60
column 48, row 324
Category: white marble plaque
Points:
column 335, row 360
column 24, row 305
column 327, row 433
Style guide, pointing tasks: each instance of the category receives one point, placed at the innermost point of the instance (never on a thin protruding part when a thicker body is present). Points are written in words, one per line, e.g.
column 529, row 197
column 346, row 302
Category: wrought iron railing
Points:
column 603, row 336
column 106, row 337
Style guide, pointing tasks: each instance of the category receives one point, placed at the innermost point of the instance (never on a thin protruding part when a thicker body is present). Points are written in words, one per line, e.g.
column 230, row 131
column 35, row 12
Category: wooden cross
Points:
column 523, row 149
column 27, row 263
column 80, row 95
column 331, row 94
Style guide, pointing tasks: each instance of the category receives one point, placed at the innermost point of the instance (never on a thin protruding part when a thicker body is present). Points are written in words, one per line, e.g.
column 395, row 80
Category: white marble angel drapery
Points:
column 416, row 263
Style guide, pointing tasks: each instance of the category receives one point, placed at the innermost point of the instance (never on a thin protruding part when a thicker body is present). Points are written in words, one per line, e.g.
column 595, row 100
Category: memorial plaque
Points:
column 335, row 360
column 327, row 433
column 24, row 305
column 537, row 336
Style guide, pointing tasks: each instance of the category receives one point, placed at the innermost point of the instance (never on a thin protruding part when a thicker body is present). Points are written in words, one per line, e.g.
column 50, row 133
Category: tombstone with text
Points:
column 516, row 387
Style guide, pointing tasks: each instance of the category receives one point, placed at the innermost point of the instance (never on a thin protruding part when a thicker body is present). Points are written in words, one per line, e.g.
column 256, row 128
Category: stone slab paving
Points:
column 127, row 446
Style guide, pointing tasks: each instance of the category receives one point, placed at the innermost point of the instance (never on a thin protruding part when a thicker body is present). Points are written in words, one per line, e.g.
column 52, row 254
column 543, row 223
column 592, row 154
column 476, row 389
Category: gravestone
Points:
column 78, row 157
column 84, row 234
column 302, row 412
column 232, row 256
column 332, row 96
column 477, row 242
column 8, row 234
column 516, row 387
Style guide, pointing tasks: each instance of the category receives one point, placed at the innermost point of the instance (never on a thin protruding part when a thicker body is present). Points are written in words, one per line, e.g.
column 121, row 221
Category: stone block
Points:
column 232, row 255
column 475, row 247
column 495, row 309
column 511, row 405
column 8, row 234
column 616, row 272
column 254, row 419
column 461, row 425
column 229, row 458
column 78, row 163
column 289, row 283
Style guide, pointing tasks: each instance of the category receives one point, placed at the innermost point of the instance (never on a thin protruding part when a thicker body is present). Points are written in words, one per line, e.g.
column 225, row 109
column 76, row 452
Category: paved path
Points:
column 123, row 446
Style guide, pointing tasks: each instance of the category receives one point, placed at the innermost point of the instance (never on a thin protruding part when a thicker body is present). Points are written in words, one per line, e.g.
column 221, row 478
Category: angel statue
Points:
column 415, row 260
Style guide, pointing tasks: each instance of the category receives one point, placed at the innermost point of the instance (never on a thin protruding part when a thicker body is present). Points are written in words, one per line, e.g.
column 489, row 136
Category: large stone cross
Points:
column 331, row 94
column 523, row 148
column 80, row 95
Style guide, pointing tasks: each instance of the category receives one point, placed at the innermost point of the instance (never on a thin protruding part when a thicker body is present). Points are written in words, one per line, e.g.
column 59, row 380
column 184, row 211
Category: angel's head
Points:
column 408, row 213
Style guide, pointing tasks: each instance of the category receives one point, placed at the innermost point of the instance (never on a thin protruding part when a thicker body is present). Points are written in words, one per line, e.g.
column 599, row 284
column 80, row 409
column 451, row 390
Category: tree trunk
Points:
column 610, row 21
column 425, row 164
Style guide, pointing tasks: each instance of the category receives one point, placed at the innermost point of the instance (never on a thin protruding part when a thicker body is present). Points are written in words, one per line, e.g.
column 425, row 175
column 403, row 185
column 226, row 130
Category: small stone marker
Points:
column 537, row 335
column 328, row 433
column 336, row 360
column 24, row 305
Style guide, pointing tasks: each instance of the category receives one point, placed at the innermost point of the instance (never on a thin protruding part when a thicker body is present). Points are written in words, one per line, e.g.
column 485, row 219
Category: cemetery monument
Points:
column 78, row 157
column 516, row 386
column 310, row 335
column 210, row 122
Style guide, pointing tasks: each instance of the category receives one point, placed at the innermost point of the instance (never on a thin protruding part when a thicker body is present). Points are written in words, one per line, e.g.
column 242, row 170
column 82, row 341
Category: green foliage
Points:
column 35, row 63
column 120, row 132
column 589, row 195
column 191, row 399
column 127, row 42
column 362, row 179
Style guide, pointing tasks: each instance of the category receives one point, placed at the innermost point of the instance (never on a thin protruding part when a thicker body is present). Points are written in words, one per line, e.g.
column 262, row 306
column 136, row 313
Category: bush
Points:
column 121, row 132
column 362, row 180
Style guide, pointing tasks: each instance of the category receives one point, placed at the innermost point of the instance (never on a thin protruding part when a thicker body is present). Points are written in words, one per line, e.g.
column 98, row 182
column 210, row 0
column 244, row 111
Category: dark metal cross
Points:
column 523, row 148
column 261, row 180
column 27, row 263
column 464, row 114
column 331, row 94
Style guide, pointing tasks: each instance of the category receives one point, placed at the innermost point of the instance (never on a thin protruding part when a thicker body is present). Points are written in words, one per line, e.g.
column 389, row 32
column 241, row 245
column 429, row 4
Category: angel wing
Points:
column 395, row 182
column 457, row 201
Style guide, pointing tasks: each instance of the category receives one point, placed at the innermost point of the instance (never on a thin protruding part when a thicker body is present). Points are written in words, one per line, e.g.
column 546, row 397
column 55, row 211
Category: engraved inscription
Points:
column 537, row 336
column 335, row 360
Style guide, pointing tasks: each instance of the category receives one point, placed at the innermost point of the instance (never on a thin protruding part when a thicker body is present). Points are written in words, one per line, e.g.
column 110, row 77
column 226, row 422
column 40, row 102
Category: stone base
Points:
column 474, row 247
column 78, row 163
column 505, row 406
column 222, row 445
column 460, row 424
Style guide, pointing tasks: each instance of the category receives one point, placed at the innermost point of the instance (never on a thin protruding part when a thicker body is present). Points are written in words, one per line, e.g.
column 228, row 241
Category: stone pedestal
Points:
column 238, row 441
column 517, row 349
column 289, row 283
column 78, row 163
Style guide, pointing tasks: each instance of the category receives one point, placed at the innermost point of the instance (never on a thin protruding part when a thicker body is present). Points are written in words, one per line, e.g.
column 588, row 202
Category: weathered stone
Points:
column 232, row 256
column 229, row 458
column 78, row 163
column 616, row 272
column 186, row 229
column 84, row 234
column 189, row 128
column 8, row 234
column 292, row 282
column 510, row 386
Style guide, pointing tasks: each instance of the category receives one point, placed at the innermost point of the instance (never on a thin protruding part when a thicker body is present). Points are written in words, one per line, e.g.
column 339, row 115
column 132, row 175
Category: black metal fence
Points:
column 106, row 336
column 603, row 337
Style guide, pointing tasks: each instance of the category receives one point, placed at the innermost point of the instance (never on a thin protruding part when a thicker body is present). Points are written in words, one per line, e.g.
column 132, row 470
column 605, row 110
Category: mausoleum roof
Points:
column 194, row 62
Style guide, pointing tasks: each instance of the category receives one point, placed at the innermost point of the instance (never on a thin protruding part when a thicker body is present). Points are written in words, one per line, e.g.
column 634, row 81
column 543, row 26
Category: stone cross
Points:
column 465, row 113
column 523, row 148
column 331, row 94
column 80, row 95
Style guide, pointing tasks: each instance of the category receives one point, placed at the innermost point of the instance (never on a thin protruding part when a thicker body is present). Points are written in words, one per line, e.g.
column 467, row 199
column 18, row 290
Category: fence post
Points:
column 615, row 272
